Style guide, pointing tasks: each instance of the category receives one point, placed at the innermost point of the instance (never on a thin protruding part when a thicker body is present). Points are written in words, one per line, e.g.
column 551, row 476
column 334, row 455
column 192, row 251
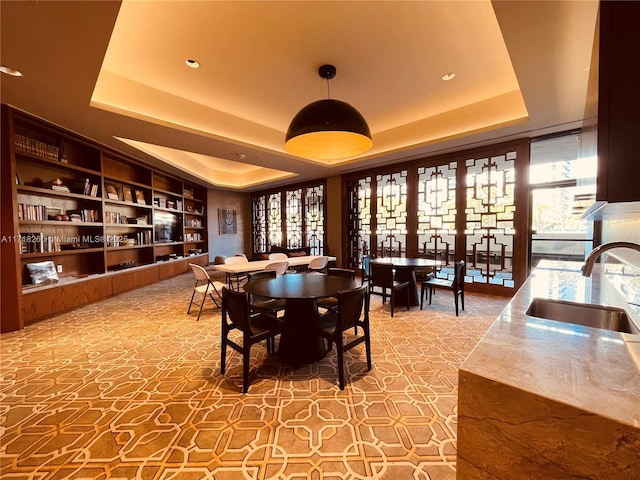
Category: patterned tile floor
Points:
column 130, row 388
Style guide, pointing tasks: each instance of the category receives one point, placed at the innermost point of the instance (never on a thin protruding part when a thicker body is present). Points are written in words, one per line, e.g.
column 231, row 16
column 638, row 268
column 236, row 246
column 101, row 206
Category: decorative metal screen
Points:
column 490, row 219
column 437, row 212
column 274, row 219
column 294, row 218
column 314, row 219
column 391, row 214
column 259, row 217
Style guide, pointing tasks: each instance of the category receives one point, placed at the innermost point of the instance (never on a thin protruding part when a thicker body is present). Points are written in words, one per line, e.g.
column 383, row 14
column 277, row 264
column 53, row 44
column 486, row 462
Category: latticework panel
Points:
column 490, row 219
column 293, row 217
column 314, row 219
column 436, row 218
column 259, row 220
column 391, row 214
column 274, row 219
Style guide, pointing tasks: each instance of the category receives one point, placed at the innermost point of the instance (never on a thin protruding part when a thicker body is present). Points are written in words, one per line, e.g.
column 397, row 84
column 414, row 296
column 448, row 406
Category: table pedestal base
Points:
column 299, row 345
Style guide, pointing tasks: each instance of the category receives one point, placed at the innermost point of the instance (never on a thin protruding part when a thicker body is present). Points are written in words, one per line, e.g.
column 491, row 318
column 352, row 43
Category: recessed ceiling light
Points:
column 448, row 76
column 10, row 71
column 192, row 63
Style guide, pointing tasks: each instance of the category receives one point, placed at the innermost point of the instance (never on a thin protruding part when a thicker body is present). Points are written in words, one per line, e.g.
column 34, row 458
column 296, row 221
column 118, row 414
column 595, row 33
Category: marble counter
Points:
column 545, row 399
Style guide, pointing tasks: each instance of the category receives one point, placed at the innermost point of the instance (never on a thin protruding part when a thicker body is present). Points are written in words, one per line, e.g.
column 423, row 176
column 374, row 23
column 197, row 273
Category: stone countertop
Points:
column 591, row 369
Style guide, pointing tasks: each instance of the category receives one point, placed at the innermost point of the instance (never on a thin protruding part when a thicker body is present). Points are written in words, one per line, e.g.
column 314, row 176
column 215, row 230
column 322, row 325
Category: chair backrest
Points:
column 458, row 276
column 199, row 272
column 278, row 257
column 342, row 272
column 279, row 267
column 382, row 274
column 262, row 274
column 351, row 304
column 236, row 259
column 318, row 263
column 366, row 264
column 235, row 305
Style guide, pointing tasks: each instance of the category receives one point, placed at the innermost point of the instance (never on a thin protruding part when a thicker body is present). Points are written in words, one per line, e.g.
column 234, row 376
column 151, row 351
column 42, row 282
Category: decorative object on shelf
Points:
column 140, row 197
column 227, row 221
column 126, row 193
column 42, row 273
column 112, row 191
column 328, row 129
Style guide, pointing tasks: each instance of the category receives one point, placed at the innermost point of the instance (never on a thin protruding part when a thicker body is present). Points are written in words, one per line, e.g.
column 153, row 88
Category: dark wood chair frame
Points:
column 456, row 286
column 255, row 327
column 383, row 276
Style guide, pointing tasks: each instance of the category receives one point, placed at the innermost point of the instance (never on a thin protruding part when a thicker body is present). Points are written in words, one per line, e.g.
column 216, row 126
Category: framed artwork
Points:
column 227, row 221
column 112, row 191
column 126, row 193
column 140, row 197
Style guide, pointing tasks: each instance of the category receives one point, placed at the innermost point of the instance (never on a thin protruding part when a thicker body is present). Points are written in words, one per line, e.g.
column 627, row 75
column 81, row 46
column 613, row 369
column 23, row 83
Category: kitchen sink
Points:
column 589, row 315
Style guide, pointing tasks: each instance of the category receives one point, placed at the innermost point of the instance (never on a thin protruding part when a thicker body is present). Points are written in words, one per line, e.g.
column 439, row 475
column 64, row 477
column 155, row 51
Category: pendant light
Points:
column 328, row 129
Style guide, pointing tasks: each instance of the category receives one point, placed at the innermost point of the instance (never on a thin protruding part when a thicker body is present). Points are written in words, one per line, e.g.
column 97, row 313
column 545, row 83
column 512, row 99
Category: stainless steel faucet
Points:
column 599, row 250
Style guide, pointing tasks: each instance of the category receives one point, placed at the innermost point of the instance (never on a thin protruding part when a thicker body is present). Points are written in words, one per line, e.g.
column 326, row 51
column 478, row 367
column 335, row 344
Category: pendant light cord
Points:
column 328, row 88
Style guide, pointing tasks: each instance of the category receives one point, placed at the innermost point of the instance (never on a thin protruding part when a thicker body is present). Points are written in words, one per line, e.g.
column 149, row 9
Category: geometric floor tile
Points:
column 130, row 388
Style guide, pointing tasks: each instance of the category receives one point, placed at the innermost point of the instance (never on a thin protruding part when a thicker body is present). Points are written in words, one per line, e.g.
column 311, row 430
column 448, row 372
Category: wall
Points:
column 229, row 245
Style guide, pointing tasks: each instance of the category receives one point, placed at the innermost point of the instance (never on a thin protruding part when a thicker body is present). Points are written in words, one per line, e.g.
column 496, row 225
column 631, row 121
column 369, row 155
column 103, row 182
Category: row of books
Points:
column 36, row 147
column 193, row 223
column 163, row 203
column 42, row 212
column 193, row 237
column 119, row 218
column 39, row 243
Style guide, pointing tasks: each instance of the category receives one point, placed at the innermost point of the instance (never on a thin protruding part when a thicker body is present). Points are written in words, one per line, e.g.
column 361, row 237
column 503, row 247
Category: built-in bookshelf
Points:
column 88, row 211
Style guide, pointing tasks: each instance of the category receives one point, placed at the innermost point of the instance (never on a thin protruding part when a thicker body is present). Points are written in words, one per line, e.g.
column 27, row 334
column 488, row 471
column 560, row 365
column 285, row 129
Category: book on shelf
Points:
column 81, row 186
column 94, row 190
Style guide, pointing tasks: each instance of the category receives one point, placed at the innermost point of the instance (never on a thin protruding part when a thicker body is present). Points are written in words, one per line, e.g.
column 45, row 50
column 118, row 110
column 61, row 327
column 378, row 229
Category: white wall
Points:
column 229, row 245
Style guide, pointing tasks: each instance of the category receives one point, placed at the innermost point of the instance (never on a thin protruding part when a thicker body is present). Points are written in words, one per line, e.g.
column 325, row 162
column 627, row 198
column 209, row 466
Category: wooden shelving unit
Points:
column 106, row 221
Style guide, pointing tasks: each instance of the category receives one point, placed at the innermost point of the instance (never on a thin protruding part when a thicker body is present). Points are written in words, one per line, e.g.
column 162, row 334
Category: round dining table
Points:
column 299, row 344
column 405, row 272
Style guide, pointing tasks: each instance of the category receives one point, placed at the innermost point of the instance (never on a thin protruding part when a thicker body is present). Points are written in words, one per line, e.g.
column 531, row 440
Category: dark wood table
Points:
column 405, row 272
column 299, row 345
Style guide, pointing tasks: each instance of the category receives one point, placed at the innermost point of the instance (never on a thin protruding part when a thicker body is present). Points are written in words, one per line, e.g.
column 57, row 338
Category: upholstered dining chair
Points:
column 255, row 327
column 265, row 304
column 318, row 265
column 205, row 286
column 352, row 312
column 239, row 277
column 332, row 302
column 366, row 269
column 456, row 286
column 383, row 277
column 278, row 257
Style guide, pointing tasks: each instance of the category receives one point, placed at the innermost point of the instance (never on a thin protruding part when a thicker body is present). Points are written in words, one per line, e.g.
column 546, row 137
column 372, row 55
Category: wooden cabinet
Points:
column 80, row 211
column 614, row 101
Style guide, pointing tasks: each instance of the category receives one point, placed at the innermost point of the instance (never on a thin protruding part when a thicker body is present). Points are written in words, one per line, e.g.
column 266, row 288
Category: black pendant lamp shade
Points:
column 328, row 129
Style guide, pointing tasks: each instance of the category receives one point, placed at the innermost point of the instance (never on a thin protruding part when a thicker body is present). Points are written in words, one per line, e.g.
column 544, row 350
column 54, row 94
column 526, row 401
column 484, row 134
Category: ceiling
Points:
column 116, row 72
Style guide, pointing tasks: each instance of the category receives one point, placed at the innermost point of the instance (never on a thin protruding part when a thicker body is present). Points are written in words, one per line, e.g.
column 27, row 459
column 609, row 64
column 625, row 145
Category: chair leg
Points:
column 407, row 289
column 430, row 294
column 422, row 296
column 462, row 299
column 367, row 345
column 204, row 297
column 455, row 301
column 340, row 351
column 223, row 350
column 393, row 300
column 246, row 358
column 191, row 302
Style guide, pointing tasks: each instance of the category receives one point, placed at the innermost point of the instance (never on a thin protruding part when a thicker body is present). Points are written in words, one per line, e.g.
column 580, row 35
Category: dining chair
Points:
column 318, row 265
column 383, row 277
column 238, row 276
column 205, row 286
column 332, row 302
column 352, row 312
column 278, row 257
column 279, row 267
column 265, row 304
column 366, row 269
column 456, row 285
column 255, row 327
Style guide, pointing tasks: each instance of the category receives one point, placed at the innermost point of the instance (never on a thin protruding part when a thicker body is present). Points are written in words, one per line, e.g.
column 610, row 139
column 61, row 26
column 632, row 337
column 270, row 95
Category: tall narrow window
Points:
column 563, row 185
column 314, row 219
column 274, row 219
column 437, row 211
column 259, row 216
column 391, row 214
column 294, row 218
column 490, row 219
